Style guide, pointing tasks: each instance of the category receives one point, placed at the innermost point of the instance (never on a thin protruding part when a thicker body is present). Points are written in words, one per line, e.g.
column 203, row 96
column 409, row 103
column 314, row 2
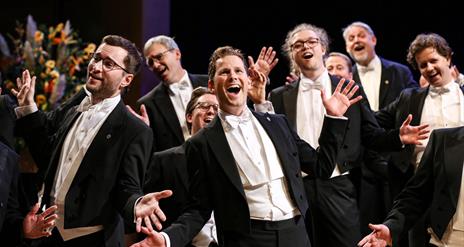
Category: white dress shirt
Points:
column 310, row 110
column 370, row 77
column 180, row 93
column 441, row 110
column 259, row 167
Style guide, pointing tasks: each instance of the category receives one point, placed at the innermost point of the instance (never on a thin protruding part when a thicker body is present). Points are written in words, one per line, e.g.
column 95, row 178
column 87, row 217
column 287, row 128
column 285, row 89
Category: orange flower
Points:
column 40, row 99
column 38, row 37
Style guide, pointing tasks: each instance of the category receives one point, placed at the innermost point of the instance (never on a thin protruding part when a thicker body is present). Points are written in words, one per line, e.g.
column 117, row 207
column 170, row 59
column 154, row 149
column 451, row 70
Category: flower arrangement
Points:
column 55, row 55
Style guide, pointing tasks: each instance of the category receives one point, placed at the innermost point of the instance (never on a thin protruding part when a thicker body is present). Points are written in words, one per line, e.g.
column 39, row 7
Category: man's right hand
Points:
column 26, row 87
column 143, row 114
column 380, row 237
column 153, row 239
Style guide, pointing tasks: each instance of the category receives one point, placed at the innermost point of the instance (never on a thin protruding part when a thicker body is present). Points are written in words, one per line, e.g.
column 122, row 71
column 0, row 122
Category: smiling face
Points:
column 360, row 44
column 203, row 113
column 434, row 67
column 230, row 83
column 337, row 65
column 307, row 53
column 164, row 62
column 103, row 82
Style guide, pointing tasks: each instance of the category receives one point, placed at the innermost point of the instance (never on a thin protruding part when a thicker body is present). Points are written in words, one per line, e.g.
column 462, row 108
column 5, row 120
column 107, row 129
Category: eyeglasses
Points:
column 299, row 45
column 205, row 106
column 107, row 63
column 157, row 58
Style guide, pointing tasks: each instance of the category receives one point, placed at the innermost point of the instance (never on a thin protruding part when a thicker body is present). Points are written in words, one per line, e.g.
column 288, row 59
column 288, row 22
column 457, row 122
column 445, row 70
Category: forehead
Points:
column 304, row 35
column 155, row 48
column 336, row 60
column 356, row 29
column 115, row 52
column 229, row 61
column 428, row 53
column 208, row 98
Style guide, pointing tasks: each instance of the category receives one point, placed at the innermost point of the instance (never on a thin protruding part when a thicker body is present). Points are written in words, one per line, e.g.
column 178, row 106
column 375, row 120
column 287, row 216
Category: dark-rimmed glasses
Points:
column 157, row 58
column 299, row 45
column 204, row 106
column 107, row 63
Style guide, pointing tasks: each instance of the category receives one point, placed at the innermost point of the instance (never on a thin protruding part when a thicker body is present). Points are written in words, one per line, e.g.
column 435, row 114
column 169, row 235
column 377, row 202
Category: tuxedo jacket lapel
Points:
column 165, row 107
column 453, row 163
column 290, row 100
column 218, row 143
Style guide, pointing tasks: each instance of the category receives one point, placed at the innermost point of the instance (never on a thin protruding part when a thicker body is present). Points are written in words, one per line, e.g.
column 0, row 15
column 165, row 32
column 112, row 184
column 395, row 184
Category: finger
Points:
column 163, row 194
column 147, row 222
column 138, row 224
column 155, row 221
column 147, row 231
column 267, row 56
column 339, row 85
column 271, row 54
column 262, row 53
column 355, row 100
column 160, row 214
column 34, row 209
column 131, row 110
column 348, row 87
column 273, row 64
column 250, row 61
column 352, row 92
column 323, row 96
column 49, row 211
column 143, row 110
column 407, row 121
column 33, row 83
column 14, row 92
column 364, row 240
column 424, row 126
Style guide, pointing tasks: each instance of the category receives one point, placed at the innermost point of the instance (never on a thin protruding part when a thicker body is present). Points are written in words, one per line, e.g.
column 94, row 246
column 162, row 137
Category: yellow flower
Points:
column 50, row 64
column 89, row 50
column 38, row 37
column 59, row 27
column 54, row 74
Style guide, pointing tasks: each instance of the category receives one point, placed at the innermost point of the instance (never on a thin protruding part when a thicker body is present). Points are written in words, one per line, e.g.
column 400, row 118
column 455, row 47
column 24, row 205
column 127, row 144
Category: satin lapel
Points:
column 62, row 133
column 385, row 81
column 165, row 107
column 453, row 162
column 290, row 100
column 103, row 140
column 181, row 167
column 416, row 105
column 356, row 77
column 218, row 143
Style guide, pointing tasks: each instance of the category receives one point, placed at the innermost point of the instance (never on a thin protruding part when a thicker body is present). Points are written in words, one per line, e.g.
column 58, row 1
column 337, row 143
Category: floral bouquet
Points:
column 55, row 55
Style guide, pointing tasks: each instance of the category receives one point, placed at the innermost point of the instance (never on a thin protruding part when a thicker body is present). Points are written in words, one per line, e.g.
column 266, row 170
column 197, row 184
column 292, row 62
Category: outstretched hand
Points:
column 153, row 239
column 257, row 90
column 143, row 114
column 413, row 134
column 340, row 100
column 26, row 89
column 266, row 61
column 148, row 210
column 39, row 225
column 380, row 237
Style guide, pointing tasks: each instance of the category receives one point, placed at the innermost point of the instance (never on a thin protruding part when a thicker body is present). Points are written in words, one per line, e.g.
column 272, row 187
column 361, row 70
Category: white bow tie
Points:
column 234, row 121
column 436, row 91
column 365, row 69
column 307, row 85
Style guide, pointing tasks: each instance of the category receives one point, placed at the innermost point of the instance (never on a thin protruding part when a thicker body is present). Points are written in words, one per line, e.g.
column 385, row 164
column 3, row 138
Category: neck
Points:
column 313, row 74
column 180, row 72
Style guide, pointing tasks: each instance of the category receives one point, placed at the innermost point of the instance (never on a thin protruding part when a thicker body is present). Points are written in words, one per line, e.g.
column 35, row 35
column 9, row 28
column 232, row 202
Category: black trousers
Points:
column 284, row 233
column 334, row 211
column 55, row 240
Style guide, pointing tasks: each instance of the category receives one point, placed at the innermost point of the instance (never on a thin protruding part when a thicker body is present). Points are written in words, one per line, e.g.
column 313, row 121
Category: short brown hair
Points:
column 196, row 94
column 426, row 40
column 220, row 53
column 133, row 61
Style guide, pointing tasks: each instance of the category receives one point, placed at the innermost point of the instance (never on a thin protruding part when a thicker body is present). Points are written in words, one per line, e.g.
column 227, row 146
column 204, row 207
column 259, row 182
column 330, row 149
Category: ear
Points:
column 211, row 86
column 126, row 81
column 374, row 40
column 189, row 118
column 178, row 54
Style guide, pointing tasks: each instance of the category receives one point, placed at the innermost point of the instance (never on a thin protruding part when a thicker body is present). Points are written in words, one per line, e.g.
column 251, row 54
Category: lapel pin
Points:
column 108, row 136
column 386, row 82
column 268, row 119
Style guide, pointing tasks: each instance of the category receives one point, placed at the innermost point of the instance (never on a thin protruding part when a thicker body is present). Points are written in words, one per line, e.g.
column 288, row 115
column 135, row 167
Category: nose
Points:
column 96, row 65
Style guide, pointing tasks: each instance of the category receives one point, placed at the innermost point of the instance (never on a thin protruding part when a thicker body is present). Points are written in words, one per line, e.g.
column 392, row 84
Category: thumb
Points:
column 408, row 120
column 164, row 194
column 143, row 110
column 323, row 96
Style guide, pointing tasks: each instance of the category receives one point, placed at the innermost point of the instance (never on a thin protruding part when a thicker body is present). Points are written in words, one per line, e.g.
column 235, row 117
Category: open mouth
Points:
column 208, row 120
column 234, row 89
column 307, row 55
column 359, row 48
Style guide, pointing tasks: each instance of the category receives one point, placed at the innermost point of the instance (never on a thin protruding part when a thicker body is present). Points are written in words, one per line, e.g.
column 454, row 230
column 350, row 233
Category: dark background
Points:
column 199, row 27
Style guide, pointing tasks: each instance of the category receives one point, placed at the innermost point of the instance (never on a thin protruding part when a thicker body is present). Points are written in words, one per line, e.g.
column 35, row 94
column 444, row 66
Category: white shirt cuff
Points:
column 336, row 117
column 167, row 239
column 135, row 204
column 22, row 111
column 264, row 107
